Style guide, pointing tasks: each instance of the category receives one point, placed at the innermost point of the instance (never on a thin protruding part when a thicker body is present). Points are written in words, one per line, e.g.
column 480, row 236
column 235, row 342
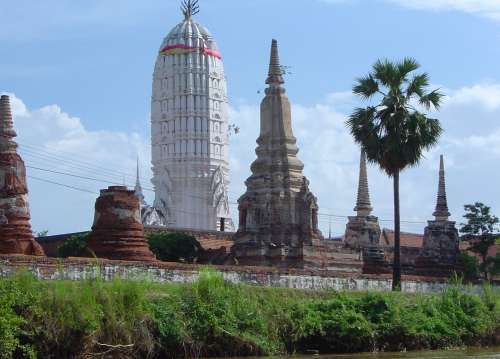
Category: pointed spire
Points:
column 189, row 8
column 7, row 132
column 363, row 204
column 441, row 213
column 275, row 76
column 138, row 187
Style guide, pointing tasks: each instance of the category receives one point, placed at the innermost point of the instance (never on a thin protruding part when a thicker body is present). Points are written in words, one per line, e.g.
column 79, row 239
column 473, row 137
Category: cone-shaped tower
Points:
column 441, row 213
column 278, row 213
column 440, row 245
column 16, row 236
column 363, row 204
column 363, row 229
column 138, row 187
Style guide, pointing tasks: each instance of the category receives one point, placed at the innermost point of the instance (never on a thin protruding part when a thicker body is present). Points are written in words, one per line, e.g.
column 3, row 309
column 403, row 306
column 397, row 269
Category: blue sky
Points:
column 80, row 75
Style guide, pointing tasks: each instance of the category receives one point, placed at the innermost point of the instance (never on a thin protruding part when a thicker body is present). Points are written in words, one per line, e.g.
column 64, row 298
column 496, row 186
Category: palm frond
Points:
column 432, row 99
column 365, row 87
column 407, row 65
column 387, row 73
column 417, row 85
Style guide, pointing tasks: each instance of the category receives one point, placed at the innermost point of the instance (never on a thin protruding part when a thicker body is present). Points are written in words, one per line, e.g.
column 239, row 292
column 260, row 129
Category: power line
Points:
column 62, row 185
column 73, row 159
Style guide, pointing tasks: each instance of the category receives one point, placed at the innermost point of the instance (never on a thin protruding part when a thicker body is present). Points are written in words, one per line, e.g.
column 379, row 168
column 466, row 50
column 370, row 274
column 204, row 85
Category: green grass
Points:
column 139, row 319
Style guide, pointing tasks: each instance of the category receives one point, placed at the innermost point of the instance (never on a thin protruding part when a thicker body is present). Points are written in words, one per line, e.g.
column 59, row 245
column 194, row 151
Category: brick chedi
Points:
column 441, row 240
column 362, row 230
column 16, row 236
column 117, row 232
column 278, row 213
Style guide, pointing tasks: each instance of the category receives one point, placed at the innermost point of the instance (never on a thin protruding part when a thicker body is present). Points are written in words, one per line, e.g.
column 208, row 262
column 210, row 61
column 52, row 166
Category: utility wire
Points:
column 62, row 185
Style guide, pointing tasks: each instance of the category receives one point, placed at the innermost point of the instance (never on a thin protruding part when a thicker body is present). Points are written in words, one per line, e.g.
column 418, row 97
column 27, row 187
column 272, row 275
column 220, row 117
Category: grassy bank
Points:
column 126, row 319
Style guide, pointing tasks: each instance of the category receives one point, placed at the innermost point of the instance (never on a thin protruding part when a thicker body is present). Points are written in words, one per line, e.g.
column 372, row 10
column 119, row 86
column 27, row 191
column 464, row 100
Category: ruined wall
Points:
column 78, row 269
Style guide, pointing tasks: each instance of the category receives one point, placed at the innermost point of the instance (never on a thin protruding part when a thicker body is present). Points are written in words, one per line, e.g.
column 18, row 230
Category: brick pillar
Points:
column 16, row 236
column 117, row 232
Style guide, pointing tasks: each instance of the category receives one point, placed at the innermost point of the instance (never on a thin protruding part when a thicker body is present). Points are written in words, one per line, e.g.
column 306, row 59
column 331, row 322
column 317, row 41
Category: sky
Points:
column 79, row 75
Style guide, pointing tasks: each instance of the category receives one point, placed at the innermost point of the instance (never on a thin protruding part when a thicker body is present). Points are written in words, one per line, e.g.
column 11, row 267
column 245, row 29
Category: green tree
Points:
column 174, row 247
column 481, row 231
column 393, row 133
column 74, row 246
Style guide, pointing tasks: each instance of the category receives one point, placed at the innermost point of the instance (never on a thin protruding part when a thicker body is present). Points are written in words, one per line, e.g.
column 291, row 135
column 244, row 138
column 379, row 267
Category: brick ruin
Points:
column 278, row 214
column 16, row 236
column 117, row 232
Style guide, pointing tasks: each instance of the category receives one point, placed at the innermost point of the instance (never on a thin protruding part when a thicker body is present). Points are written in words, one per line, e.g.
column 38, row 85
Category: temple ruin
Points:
column 16, row 236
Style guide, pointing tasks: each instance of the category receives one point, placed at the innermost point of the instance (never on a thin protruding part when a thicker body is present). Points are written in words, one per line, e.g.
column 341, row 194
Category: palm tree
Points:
column 394, row 133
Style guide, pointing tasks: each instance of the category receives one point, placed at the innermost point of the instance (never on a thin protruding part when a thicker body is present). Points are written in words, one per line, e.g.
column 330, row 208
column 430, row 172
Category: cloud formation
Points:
column 486, row 8
column 54, row 140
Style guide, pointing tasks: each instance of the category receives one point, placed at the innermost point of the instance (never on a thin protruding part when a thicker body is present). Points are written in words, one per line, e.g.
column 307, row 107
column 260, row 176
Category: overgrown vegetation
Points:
column 138, row 319
column 75, row 246
column 174, row 247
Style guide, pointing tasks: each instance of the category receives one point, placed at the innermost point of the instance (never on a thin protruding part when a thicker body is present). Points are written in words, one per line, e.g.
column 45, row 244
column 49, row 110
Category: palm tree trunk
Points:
column 396, row 271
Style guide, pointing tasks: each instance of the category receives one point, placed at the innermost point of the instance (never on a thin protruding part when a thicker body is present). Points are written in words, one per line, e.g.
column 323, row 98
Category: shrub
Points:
column 174, row 247
column 74, row 246
column 471, row 266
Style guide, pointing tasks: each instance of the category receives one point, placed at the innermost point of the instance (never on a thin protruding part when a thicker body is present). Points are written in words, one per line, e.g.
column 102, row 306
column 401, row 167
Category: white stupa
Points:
column 189, row 129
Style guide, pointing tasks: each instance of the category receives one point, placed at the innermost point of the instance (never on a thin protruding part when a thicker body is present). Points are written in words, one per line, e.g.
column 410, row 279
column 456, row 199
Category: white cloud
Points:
column 486, row 8
column 471, row 145
column 54, row 140
column 486, row 95
column 489, row 8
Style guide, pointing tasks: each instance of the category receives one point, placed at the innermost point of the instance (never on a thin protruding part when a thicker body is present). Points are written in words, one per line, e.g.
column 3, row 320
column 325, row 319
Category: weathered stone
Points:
column 441, row 241
column 362, row 230
column 117, row 232
column 16, row 236
column 278, row 213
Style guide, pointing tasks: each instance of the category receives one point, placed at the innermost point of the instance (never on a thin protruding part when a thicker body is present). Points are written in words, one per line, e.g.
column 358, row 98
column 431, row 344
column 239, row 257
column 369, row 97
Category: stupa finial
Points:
column 275, row 76
column 138, row 187
column 190, row 8
column 441, row 213
column 363, row 204
column 7, row 132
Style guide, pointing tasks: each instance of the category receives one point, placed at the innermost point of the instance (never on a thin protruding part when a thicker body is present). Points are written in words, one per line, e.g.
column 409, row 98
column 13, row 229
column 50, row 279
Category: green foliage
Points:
column 174, row 247
column 42, row 233
column 471, row 266
column 211, row 317
column 14, row 302
column 491, row 265
column 392, row 132
column 481, row 231
column 74, row 246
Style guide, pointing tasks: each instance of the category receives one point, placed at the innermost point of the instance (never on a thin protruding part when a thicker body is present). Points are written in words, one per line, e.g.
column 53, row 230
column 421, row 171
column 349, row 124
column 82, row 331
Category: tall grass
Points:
column 138, row 319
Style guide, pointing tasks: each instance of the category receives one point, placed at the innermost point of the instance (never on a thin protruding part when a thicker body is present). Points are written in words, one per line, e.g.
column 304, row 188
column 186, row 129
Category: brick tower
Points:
column 16, row 236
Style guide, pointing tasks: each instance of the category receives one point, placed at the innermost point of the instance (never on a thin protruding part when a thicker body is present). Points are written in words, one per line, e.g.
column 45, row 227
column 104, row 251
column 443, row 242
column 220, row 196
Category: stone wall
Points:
column 79, row 269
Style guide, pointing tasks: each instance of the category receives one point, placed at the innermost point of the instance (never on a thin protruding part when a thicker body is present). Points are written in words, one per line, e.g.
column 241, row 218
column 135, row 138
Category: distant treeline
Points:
column 211, row 317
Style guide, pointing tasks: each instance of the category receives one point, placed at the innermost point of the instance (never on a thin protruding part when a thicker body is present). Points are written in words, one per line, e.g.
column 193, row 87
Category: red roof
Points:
column 407, row 239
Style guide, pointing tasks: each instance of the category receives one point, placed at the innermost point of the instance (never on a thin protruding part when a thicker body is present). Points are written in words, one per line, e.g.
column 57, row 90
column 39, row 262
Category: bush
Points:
column 75, row 246
column 174, row 247
column 471, row 266
column 211, row 317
